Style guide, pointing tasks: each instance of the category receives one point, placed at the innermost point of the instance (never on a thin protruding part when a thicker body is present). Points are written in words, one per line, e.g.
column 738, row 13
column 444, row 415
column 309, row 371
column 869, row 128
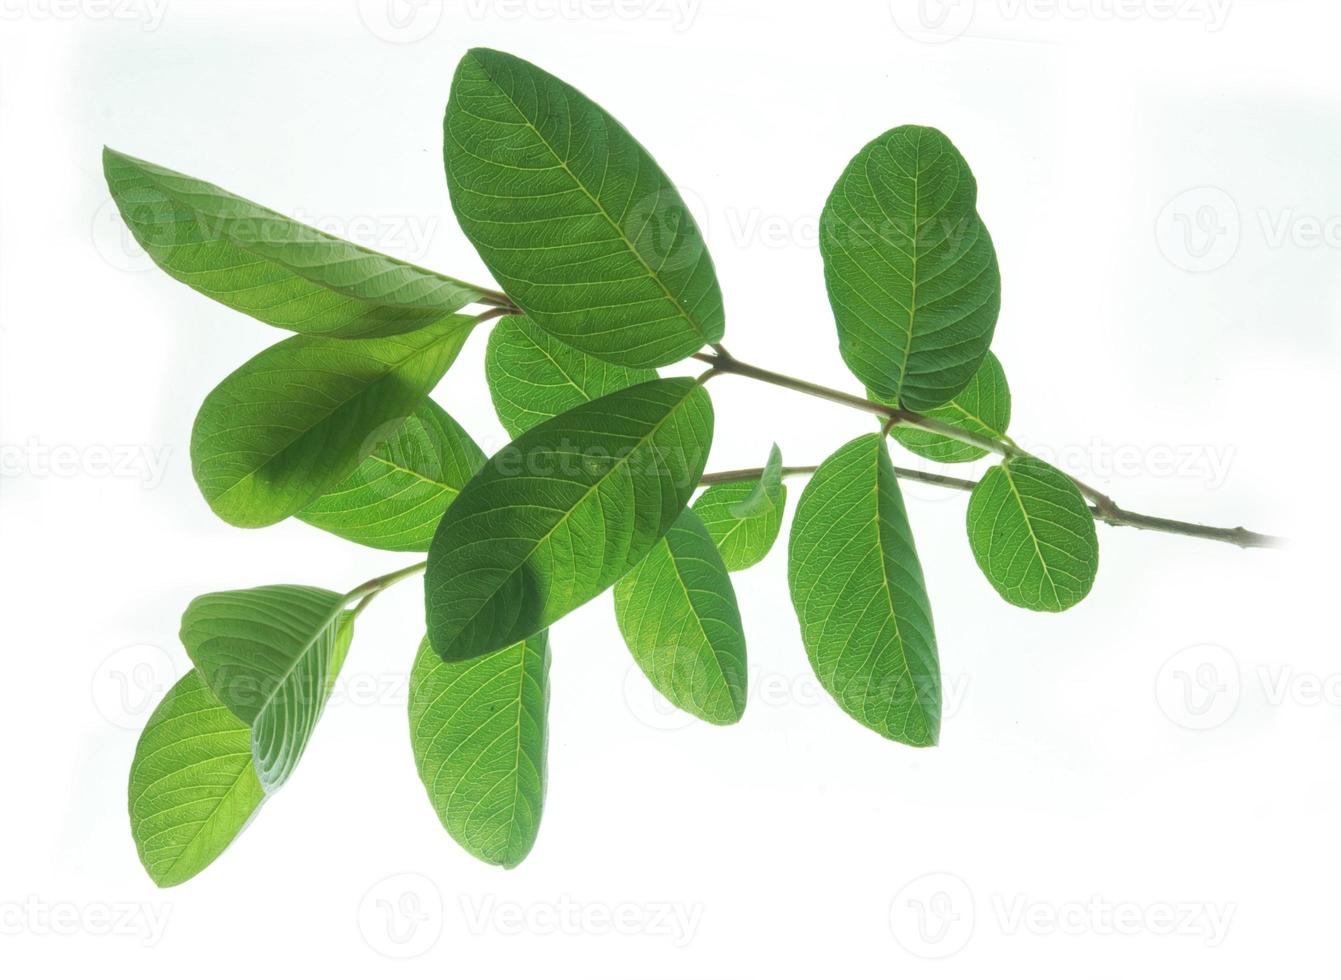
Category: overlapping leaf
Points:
column 743, row 519
column 562, row 513
column 983, row 408
column 299, row 417
column 910, row 268
column 263, row 264
column 478, row 729
column 533, row 377
column 269, row 654
column 857, row 587
column 678, row 613
column 193, row 786
column 574, row 218
column 397, row 495
column 1033, row 535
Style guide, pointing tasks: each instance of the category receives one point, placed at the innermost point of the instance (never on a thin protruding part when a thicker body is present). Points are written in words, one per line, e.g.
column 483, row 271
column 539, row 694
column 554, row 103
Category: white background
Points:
column 1161, row 180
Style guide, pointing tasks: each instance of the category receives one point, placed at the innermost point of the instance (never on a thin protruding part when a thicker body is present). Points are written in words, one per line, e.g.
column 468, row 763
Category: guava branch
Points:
column 1104, row 507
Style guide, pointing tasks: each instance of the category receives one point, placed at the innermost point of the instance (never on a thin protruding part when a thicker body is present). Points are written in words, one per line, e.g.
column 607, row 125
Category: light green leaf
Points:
column 563, row 513
column 1033, row 535
column 983, row 408
column 677, row 611
column 193, row 787
column 857, row 587
column 743, row 519
column 269, row 655
column 299, row 417
column 479, row 730
column 397, row 495
column 574, row 218
column 263, row 264
column 533, row 377
column 910, row 267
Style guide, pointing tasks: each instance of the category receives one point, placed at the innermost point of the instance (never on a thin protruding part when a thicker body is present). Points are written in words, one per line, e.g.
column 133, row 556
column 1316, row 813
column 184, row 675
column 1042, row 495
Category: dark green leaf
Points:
column 269, row 654
column 982, row 408
column 563, row 513
column 857, row 587
column 574, row 218
column 478, row 730
column 263, row 264
column 910, row 267
column 533, row 377
column 743, row 519
column 397, row 495
column 1033, row 535
column 299, row 417
column 677, row 611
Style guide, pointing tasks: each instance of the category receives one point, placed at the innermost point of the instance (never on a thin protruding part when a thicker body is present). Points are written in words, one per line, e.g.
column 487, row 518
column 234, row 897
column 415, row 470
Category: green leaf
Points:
column 574, row 218
column 299, row 417
column 910, row 267
column 193, row 787
column 743, row 519
column 1033, row 535
column 857, row 587
column 561, row 514
column 192, row 784
column 397, row 495
column 263, row 264
column 269, row 654
column 533, row 377
column 982, row 408
column 677, row 611
column 478, row 730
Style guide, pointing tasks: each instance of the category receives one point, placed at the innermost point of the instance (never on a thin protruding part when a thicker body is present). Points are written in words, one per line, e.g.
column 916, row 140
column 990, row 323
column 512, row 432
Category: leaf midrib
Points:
column 1033, row 536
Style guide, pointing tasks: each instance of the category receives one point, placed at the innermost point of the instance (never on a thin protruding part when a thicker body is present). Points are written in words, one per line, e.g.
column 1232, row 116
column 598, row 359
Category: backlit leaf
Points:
column 261, row 263
column 533, row 377
column 397, row 495
column 574, row 218
column 857, row 587
column 269, row 654
column 677, row 611
column 743, row 519
column 563, row 513
column 478, row 729
column 299, row 417
column 982, row 408
column 910, row 268
column 1033, row 535
column 193, row 786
